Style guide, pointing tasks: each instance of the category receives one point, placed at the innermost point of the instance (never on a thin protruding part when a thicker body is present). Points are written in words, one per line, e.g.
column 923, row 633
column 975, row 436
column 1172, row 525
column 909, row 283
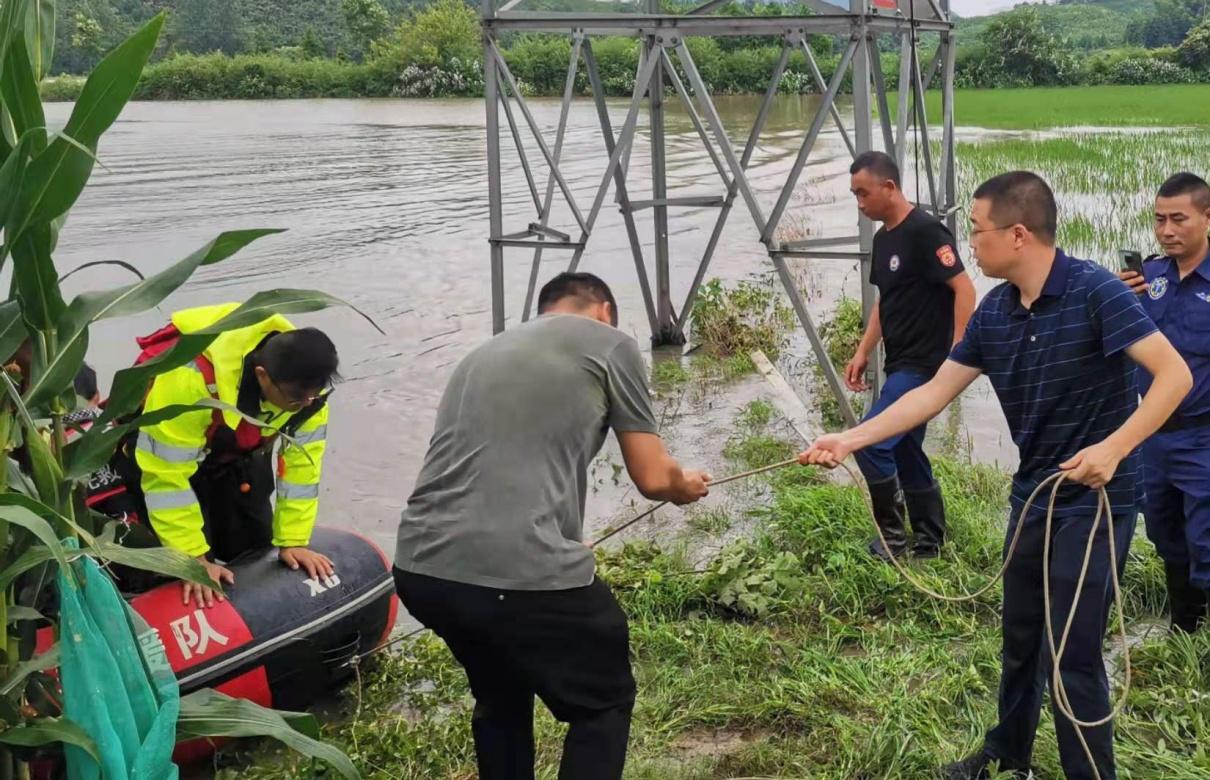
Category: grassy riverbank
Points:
column 794, row 655
column 767, row 643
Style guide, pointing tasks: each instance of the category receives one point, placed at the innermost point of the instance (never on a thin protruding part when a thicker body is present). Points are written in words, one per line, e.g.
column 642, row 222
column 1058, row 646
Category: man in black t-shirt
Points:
column 924, row 301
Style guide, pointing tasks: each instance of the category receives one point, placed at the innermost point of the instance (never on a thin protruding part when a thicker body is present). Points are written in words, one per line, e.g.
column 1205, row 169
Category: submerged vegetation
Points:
column 1105, row 182
column 841, row 333
column 731, row 322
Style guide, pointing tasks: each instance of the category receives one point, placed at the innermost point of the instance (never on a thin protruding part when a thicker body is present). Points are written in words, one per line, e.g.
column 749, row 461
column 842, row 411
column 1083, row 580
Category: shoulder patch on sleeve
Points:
column 947, row 257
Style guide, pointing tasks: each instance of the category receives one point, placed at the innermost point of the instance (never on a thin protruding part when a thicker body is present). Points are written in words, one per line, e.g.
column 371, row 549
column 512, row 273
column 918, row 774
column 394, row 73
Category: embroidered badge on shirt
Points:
column 946, row 255
column 1159, row 286
column 894, row 262
column 1203, row 296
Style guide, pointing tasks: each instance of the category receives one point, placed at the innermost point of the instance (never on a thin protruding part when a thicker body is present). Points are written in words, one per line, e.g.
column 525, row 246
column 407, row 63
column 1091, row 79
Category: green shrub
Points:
column 454, row 78
column 617, row 61
column 445, row 31
column 253, row 76
column 541, row 62
column 1194, row 51
column 61, row 88
column 1148, row 70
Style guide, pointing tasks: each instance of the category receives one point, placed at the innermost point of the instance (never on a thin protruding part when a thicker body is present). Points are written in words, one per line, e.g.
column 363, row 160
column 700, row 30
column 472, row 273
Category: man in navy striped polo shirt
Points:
column 1059, row 341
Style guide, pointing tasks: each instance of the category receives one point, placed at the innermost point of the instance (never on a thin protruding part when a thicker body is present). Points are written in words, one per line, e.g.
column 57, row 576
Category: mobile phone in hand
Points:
column 1131, row 261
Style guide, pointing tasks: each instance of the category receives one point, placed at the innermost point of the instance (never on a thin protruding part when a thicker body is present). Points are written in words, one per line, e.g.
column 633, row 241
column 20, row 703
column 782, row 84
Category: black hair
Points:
column 86, row 382
column 1022, row 198
column 586, row 288
column 877, row 163
column 305, row 358
column 1186, row 183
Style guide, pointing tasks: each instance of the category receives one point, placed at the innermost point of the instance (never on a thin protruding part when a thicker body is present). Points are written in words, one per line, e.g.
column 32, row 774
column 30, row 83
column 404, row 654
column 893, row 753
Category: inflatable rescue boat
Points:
column 280, row 638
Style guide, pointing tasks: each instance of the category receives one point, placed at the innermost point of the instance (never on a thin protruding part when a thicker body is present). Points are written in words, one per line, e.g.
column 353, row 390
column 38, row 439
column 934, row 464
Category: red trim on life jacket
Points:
column 247, row 436
column 92, row 501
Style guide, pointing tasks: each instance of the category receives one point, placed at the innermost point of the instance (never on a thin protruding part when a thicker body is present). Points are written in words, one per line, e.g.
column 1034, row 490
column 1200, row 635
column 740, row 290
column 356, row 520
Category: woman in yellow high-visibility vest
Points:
column 206, row 477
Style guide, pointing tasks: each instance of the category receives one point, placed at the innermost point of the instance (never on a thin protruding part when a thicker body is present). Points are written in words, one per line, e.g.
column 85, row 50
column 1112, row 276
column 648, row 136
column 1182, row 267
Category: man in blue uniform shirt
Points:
column 1059, row 340
column 1176, row 460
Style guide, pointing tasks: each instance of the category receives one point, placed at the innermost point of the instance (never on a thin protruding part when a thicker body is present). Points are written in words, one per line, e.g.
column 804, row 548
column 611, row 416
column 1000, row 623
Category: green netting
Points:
column 117, row 683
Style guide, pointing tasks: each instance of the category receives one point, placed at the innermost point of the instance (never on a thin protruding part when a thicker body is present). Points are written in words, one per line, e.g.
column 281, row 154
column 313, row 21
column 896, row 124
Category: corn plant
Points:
column 42, row 174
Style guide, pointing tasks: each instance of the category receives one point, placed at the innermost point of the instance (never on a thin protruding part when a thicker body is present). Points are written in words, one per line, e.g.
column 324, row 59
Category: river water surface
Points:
column 385, row 205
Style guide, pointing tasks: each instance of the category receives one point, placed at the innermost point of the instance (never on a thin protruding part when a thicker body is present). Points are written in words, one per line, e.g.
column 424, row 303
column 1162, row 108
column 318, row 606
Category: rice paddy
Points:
column 1105, row 182
column 1159, row 106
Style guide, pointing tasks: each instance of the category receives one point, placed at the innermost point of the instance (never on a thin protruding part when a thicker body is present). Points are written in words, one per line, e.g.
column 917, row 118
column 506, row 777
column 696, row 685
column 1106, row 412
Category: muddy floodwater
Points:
column 385, row 205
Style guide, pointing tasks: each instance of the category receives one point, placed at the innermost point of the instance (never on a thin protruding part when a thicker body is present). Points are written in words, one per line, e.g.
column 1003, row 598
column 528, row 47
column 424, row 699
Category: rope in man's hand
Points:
column 648, row 513
column 356, row 659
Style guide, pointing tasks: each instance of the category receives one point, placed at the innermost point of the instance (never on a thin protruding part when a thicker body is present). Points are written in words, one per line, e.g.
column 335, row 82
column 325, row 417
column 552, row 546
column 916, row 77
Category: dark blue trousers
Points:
column 1026, row 657
column 903, row 454
column 1176, row 469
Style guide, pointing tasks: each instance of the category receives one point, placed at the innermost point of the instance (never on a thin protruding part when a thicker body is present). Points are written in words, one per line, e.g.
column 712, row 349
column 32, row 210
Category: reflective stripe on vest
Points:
column 293, row 490
column 319, row 434
column 172, row 499
column 169, row 452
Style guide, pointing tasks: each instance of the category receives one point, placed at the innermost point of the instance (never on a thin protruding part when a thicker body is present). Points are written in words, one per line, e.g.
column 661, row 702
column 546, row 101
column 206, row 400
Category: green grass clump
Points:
column 753, row 447
column 756, row 416
column 668, row 376
column 711, row 368
column 710, row 522
column 754, row 452
column 731, row 322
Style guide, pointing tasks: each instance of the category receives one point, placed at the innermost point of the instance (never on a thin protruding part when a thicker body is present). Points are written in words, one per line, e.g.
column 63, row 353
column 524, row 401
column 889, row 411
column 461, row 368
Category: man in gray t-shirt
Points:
column 490, row 551
column 500, row 500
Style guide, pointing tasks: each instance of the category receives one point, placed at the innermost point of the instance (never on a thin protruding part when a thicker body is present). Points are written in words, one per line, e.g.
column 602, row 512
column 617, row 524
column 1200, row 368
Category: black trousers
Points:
column 236, row 501
column 570, row 648
column 1027, row 660
column 235, row 521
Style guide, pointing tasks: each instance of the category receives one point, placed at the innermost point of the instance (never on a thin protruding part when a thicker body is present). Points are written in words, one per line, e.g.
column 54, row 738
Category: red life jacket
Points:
column 247, row 436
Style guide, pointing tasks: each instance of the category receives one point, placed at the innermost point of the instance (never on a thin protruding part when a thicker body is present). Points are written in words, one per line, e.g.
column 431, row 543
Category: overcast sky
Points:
column 962, row 7
column 980, row 7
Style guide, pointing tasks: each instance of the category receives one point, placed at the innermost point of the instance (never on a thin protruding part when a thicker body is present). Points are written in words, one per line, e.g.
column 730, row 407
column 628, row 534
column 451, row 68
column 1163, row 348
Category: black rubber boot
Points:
column 889, row 513
column 977, row 767
column 926, row 511
column 1188, row 603
column 970, row 768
